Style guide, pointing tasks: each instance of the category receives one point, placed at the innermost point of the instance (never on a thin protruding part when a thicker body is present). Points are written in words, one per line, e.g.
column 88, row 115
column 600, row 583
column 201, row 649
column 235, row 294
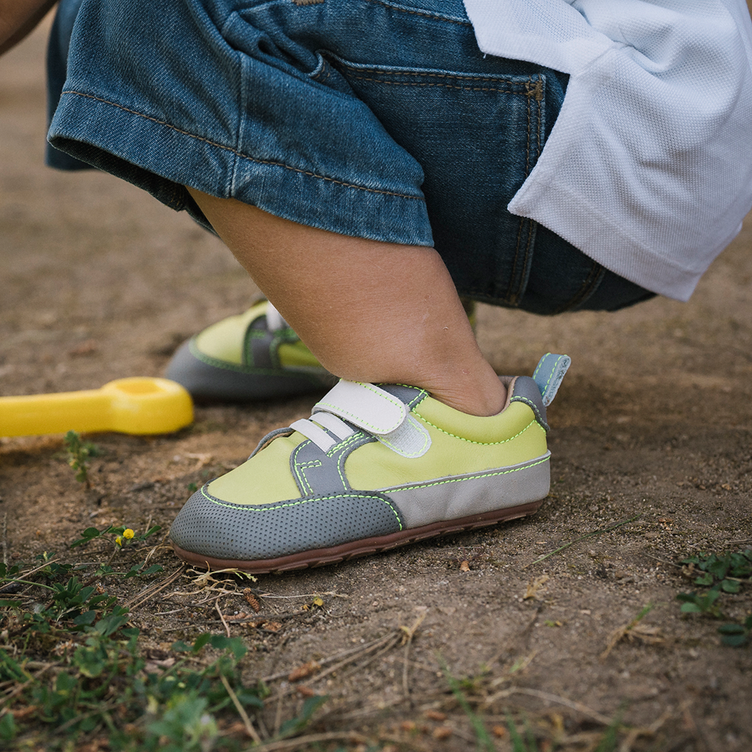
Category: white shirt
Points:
column 648, row 169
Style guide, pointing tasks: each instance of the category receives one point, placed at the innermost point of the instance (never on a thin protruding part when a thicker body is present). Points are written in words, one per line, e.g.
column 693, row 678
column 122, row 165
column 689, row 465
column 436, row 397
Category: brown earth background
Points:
column 654, row 419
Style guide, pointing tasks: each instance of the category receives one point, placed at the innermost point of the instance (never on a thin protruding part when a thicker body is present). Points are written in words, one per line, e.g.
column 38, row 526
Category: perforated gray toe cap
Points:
column 214, row 528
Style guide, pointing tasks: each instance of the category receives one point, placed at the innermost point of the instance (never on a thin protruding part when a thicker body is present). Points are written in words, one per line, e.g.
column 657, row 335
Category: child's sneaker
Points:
column 250, row 357
column 373, row 467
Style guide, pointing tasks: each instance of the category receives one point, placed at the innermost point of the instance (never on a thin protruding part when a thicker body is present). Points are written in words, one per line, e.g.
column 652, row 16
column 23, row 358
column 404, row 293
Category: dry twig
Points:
column 148, row 593
column 302, row 741
column 221, row 617
column 549, row 697
column 409, row 633
column 583, row 537
column 241, row 711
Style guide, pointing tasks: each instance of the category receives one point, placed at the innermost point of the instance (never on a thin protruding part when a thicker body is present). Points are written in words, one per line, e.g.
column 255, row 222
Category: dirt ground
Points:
column 653, row 423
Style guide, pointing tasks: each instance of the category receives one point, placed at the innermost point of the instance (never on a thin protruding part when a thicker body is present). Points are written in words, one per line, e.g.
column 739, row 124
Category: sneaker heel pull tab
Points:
column 549, row 373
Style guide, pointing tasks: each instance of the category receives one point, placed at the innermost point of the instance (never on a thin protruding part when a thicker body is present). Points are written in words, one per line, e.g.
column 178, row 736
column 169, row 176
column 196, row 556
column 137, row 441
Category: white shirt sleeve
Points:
column 648, row 169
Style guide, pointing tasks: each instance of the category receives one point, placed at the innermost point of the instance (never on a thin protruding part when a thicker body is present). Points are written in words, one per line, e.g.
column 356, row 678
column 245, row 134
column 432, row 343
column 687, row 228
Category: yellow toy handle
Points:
column 137, row 405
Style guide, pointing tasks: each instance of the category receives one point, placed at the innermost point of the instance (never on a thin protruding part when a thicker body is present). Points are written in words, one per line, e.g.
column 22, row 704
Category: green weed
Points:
column 78, row 455
column 721, row 574
column 122, row 535
column 736, row 635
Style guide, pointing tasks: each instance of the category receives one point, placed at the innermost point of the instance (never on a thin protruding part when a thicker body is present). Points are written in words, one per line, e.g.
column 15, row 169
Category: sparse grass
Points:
column 484, row 740
column 73, row 669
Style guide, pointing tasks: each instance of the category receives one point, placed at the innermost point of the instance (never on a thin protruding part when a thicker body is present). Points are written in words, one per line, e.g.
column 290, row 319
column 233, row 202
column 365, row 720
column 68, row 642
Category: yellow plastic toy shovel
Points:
column 137, row 405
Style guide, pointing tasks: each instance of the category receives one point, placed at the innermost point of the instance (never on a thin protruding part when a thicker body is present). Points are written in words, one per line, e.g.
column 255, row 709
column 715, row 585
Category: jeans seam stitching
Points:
column 512, row 296
column 354, row 70
column 418, row 72
column 530, row 224
column 239, row 153
column 444, row 85
column 588, row 287
column 421, row 13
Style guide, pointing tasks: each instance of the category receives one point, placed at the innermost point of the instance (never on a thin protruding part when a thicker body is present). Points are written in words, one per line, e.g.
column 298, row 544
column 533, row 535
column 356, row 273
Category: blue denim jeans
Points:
column 369, row 118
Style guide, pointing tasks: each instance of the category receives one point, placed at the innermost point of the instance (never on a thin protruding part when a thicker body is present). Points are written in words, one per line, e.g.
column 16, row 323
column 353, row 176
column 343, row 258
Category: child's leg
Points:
column 370, row 311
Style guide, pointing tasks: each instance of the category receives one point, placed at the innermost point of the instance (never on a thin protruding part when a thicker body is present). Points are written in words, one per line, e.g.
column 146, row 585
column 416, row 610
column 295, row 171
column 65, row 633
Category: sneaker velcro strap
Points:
column 366, row 406
column 379, row 413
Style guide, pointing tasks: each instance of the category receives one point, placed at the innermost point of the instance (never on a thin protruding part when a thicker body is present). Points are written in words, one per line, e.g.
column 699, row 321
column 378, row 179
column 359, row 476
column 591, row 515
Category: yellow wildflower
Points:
column 119, row 540
column 128, row 533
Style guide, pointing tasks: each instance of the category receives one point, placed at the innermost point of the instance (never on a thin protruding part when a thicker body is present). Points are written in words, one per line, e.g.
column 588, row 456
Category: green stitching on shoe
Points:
column 251, row 508
column 540, row 364
column 303, row 466
column 553, row 369
column 476, row 476
column 533, row 422
column 342, row 444
column 534, row 408
column 421, row 393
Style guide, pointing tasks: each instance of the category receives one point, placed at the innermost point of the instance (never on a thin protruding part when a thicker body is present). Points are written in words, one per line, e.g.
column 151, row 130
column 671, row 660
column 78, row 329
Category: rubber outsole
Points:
column 366, row 546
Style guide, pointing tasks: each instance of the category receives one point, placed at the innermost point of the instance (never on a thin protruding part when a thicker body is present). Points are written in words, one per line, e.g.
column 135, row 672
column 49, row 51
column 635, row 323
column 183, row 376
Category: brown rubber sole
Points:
column 321, row 556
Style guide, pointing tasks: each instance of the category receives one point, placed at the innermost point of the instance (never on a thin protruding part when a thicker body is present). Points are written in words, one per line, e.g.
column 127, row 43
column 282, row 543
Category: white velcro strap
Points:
column 364, row 405
column 317, row 435
column 377, row 412
column 331, row 422
column 410, row 439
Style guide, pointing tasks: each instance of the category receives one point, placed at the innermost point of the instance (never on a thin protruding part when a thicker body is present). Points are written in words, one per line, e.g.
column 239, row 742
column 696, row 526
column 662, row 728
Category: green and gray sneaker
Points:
column 374, row 467
column 250, row 357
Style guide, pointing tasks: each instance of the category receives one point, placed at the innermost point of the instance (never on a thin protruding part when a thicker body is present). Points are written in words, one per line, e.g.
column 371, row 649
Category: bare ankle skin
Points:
column 369, row 311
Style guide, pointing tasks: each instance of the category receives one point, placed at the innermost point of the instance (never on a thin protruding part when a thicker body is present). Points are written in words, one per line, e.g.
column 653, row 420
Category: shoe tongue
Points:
column 274, row 320
column 366, row 406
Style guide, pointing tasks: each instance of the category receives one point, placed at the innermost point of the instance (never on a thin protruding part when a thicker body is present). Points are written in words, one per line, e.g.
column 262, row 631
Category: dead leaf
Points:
column 435, row 715
column 534, row 586
column 89, row 347
column 650, row 635
column 465, row 566
column 303, row 672
column 21, row 713
column 633, row 631
column 442, row 732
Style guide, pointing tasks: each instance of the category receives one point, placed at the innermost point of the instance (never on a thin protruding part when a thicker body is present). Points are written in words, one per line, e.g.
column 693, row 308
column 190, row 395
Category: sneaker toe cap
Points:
column 213, row 380
column 222, row 530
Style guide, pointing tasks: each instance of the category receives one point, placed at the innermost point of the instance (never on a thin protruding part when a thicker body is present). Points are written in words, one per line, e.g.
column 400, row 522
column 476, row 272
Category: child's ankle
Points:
column 488, row 398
